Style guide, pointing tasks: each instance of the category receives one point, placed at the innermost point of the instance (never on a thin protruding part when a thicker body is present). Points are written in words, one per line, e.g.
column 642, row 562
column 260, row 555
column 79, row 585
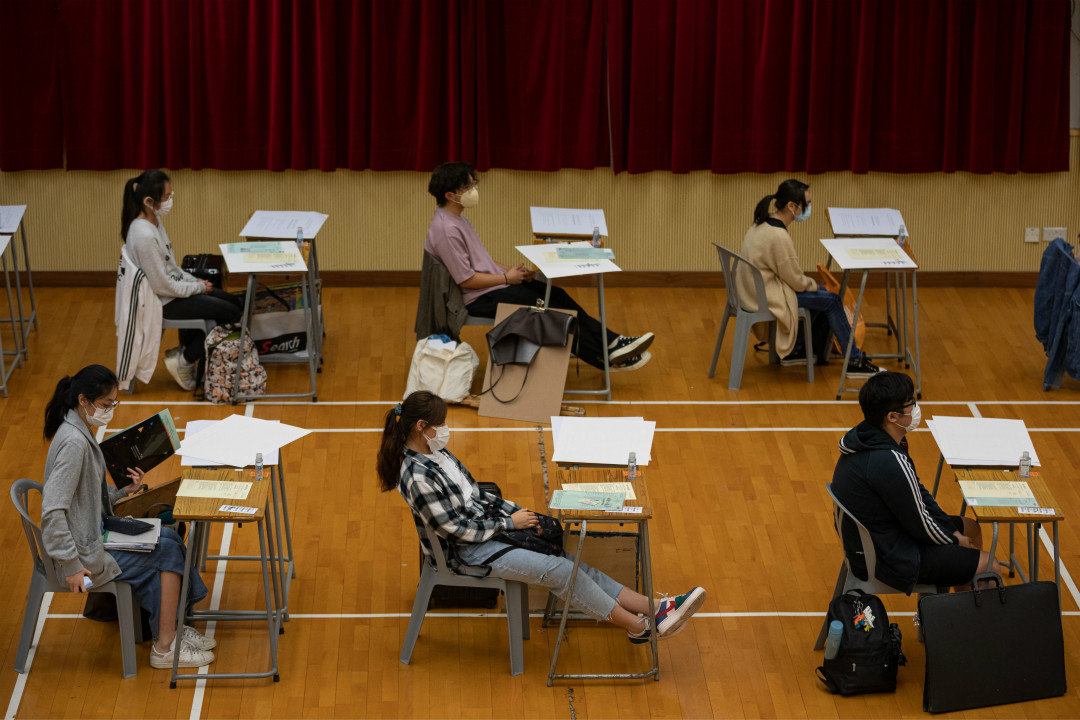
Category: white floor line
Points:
column 20, row 681
column 974, row 410
column 532, row 428
column 1065, row 576
column 575, row 401
column 215, row 604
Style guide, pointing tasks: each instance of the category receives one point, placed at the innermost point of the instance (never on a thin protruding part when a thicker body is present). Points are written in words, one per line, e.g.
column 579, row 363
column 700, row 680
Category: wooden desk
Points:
column 1010, row 515
column 200, row 512
column 582, row 518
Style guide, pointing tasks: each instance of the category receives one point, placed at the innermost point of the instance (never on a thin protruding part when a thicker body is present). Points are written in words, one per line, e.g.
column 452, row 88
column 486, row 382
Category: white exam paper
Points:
column 5, row 240
column 602, row 441
column 968, row 441
column 240, row 259
column 11, row 217
column 217, row 489
column 868, row 253
column 871, row 222
column 282, row 224
column 194, row 427
column 236, row 440
column 537, row 255
column 562, row 222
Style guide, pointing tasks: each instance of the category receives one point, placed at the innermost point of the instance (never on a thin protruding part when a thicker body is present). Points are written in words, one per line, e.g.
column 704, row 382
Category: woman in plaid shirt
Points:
column 444, row 496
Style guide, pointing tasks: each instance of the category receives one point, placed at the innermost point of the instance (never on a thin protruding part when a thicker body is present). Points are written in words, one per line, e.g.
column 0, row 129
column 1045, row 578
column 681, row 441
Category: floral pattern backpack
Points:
column 222, row 354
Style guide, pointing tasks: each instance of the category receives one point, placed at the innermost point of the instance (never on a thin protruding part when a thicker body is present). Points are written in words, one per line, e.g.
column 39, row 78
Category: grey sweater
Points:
column 71, row 504
column 149, row 247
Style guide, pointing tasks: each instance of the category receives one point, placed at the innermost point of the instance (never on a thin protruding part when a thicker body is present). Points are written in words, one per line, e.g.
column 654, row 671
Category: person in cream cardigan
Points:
column 769, row 248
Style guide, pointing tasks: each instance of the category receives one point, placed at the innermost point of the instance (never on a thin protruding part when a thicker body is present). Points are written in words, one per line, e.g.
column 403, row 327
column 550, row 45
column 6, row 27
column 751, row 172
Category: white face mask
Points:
column 101, row 416
column 164, row 209
column 470, row 199
column 916, row 420
column 442, row 437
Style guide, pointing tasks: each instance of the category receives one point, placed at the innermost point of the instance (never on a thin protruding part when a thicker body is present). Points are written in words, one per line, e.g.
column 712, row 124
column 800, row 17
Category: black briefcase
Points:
column 992, row 646
column 206, row 266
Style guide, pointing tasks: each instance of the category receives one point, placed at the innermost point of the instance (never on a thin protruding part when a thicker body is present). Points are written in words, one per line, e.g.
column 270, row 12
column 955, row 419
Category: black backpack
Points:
column 867, row 660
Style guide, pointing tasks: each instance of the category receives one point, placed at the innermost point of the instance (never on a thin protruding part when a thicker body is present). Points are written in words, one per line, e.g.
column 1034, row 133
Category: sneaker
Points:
column 863, row 368
column 623, row 349
column 674, row 612
column 642, row 637
column 635, row 363
column 190, row 656
column 197, row 640
column 182, row 371
column 797, row 357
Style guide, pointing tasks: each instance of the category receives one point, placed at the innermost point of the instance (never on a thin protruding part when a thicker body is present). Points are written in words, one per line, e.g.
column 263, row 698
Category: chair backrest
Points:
column 20, row 492
column 839, row 512
column 436, row 550
column 729, row 263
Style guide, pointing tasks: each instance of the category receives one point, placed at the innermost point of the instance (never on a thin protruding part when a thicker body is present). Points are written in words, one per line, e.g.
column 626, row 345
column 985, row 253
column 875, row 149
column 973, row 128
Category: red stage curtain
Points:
column 31, row 137
column 541, row 95
column 820, row 85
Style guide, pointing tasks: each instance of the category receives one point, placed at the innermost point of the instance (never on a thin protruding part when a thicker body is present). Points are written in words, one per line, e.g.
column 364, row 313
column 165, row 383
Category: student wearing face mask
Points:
column 875, row 479
column 148, row 198
column 75, row 498
column 769, row 248
column 485, row 283
column 444, row 497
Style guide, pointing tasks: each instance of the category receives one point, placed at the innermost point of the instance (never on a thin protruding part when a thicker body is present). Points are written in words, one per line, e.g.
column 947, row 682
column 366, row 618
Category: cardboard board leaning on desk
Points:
column 542, row 389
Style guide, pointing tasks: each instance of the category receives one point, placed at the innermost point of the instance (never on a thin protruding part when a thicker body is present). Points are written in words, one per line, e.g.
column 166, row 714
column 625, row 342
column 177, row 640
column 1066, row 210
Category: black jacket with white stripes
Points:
column 876, row 481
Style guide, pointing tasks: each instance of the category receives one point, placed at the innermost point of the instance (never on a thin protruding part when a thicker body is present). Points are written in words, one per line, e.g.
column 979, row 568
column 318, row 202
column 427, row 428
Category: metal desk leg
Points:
column 245, row 321
column 267, row 558
column 1057, row 563
column 937, row 476
column 18, row 351
column 647, row 586
column 279, row 471
column 1035, row 563
column 567, row 601
column 181, row 611
column 993, row 540
column 851, row 335
column 603, row 336
column 273, row 624
column 29, row 278
column 915, row 323
column 902, row 348
column 18, row 320
column 1012, row 548
column 280, row 558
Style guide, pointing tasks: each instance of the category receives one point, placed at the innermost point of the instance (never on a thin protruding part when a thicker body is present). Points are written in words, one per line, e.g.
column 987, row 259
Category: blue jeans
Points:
column 829, row 303
column 594, row 592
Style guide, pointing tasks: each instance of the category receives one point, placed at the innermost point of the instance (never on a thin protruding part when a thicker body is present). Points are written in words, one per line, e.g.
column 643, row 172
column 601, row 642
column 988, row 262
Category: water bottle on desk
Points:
column 258, row 467
column 596, row 236
column 832, row 644
column 299, row 238
column 631, row 467
column 1025, row 465
column 901, row 235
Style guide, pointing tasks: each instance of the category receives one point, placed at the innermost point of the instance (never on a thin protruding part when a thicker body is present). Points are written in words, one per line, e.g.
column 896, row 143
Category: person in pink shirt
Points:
column 485, row 283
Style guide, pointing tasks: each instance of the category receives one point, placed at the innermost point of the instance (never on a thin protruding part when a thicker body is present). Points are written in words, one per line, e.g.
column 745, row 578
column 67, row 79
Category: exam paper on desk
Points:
column 217, row 489
column 602, row 441
column 194, row 427
column 236, row 440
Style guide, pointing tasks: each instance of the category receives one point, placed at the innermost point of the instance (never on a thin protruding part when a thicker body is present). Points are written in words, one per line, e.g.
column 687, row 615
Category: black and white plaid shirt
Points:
column 440, row 503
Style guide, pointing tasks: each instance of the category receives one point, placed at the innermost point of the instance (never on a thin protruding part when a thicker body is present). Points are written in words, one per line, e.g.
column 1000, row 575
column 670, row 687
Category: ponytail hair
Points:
column 150, row 184
column 400, row 420
column 93, row 381
column 789, row 191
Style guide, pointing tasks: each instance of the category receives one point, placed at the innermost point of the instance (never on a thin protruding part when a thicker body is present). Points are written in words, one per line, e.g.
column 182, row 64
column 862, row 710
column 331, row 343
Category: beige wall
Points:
column 658, row 221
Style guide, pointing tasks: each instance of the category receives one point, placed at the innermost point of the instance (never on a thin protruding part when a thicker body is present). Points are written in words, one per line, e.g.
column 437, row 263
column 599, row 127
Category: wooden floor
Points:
column 738, row 489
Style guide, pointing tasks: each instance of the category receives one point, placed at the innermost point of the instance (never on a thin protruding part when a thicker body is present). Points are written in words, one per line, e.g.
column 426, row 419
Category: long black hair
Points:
column 400, row 420
column 93, row 381
column 150, row 184
column 789, row 191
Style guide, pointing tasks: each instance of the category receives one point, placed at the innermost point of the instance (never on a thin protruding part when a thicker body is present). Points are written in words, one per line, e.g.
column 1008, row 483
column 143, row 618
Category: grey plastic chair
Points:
column 745, row 321
column 45, row 579
column 846, row 580
column 516, row 598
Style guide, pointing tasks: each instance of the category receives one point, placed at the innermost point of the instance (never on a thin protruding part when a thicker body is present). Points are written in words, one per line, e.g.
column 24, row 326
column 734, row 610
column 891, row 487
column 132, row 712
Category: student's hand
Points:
column 529, row 274
column 207, row 286
column 963, row 540
column 524, row 518
column 75, row 582
column 517, row 275
column 136, row 475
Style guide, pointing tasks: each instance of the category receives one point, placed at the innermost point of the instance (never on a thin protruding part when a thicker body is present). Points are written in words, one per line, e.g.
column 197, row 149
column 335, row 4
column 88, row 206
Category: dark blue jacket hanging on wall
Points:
column 1057, row 297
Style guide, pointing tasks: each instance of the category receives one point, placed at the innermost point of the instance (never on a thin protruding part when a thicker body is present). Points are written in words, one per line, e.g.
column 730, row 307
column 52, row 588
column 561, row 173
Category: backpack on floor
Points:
column 869, row 653
column 222, row 355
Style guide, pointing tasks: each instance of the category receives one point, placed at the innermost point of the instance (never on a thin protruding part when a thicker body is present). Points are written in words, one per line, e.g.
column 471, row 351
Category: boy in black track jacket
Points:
column 875, row 479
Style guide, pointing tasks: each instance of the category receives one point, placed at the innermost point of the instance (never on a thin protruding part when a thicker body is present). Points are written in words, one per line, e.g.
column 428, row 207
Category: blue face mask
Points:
column 804, row 215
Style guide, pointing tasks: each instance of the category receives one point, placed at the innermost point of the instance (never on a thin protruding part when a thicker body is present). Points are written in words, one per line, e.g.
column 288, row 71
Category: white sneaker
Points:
column 182, row 371
column 197, row 640
column 190, row 656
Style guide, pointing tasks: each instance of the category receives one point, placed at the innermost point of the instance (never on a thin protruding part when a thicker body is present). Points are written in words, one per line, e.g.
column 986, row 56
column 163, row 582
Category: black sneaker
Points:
column 797, row 357
column 624, row 348
column 863, row 368
column 635, row 363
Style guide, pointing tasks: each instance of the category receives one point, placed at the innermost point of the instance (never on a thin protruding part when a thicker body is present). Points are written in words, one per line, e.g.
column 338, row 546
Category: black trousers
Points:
column 591, row 335
column 216, row 305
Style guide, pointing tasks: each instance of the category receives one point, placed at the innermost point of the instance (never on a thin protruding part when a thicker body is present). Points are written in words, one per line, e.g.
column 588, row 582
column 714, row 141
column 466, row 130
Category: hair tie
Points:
column 397, row 409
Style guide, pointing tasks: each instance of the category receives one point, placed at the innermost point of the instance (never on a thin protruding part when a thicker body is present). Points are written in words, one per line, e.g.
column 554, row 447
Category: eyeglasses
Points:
column 467, row 188
column 108, row 405
column 905, row 409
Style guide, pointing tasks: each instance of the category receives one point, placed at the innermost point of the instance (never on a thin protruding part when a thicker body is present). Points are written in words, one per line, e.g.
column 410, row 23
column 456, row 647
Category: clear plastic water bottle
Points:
column 1025, row 465
column 832, row 644
column 596, row 236
column 299, row 238
column 901, row 235
column 631, row 467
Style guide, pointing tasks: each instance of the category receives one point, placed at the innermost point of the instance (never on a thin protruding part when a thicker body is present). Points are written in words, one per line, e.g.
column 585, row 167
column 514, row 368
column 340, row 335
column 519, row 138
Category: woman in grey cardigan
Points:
column 75, row 499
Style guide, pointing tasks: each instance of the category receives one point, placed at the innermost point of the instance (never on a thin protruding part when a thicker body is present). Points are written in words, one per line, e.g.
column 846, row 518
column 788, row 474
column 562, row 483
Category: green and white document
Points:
column 997, row 493
column 592, row 501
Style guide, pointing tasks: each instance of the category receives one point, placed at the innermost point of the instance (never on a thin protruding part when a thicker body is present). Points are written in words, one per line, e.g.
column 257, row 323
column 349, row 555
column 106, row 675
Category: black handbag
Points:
column 992, row 646
column 206, row 266
column 547, row 539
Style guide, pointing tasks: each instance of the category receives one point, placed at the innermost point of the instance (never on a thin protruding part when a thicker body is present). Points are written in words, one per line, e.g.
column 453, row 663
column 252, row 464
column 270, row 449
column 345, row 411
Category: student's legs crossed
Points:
column 829, row 303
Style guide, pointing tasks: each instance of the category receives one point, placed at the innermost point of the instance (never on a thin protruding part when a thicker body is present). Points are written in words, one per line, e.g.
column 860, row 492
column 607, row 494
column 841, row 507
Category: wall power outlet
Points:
column 1031, row 235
